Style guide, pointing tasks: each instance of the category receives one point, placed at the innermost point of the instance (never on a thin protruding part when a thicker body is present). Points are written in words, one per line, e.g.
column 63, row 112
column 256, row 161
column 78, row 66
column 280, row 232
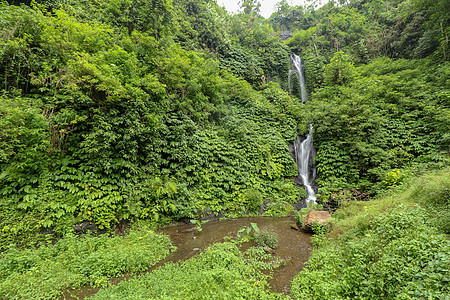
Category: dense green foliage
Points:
column 377, row 117
column 117, row 111
column 368, row 29
column 392, row 248
column 72, row 262
column 111, row 121
column 377, row 73
column 141, row 115
column 221, row 272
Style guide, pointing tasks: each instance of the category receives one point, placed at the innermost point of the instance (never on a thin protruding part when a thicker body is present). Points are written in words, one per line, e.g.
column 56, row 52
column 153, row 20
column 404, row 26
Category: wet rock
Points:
column 264, row 206
column 342, row 196
column 209, row 215
column 359, row 195
column 294, row 226
column 189, row 229
column 285, row 35
column 83, row 227
column 321, row 217
column 47, row 231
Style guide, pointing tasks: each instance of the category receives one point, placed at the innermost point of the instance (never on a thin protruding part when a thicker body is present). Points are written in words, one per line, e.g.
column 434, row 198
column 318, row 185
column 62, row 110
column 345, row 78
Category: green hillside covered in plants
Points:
column 121, row 116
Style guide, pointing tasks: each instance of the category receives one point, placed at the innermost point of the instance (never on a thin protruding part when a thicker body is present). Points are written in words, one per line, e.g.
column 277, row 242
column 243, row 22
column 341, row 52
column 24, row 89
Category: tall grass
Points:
column 395, row 247
column 73, row 261
column 221, row 272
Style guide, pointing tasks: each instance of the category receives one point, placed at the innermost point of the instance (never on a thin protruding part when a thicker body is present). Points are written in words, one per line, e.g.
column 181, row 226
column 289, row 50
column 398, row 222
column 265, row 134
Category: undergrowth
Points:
column 221, row 272
column 44, row 273
column 395, row 247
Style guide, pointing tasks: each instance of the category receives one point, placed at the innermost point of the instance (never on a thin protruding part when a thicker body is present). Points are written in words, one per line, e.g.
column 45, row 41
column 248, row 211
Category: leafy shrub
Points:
column 387, row 111
column 117, row 123
column 279, row 209
column 254, row 200
column 393, row 177
column 73, row 261
column 385, row 262
column 299, row 218
column 247, row 233
column 433, row 192
column 319, row 229
column 266, row 238
column 340, row 70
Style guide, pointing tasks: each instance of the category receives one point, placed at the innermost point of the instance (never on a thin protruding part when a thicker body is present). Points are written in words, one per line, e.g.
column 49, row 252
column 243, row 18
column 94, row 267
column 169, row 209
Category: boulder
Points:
column 321, row 217
column 268, row 249
column 294, row 226
column 85, row 226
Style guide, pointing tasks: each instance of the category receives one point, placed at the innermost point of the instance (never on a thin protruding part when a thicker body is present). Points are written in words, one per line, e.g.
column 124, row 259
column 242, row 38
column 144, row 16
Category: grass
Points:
column 44, row 273
column 431, row 191
column 395, row 247
column 221, row 272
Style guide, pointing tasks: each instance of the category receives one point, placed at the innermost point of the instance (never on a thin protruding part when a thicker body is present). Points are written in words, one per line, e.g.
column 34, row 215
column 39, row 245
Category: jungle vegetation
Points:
column 128, row 111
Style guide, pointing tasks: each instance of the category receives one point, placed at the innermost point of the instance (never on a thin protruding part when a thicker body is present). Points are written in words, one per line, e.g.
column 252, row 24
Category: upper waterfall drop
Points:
column 297, row 65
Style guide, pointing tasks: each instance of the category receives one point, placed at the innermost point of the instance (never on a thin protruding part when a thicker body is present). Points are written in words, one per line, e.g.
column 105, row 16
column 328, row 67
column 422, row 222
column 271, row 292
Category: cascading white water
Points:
column 303, row 149
column 298, row 69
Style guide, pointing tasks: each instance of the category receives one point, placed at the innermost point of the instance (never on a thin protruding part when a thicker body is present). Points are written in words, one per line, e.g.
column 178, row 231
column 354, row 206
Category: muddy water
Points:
column 293, row 247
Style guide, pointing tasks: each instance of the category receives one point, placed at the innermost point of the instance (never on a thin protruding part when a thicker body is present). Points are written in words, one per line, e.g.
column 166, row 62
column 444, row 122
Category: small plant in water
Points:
column 198, row 224
column 266, row 239
column 244, row 234
column 262, row 238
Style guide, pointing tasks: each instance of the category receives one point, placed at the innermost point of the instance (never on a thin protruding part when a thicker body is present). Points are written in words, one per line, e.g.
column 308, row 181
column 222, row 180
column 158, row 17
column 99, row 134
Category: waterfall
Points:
column 303, row 157
column 298, row 69
column 303, row 149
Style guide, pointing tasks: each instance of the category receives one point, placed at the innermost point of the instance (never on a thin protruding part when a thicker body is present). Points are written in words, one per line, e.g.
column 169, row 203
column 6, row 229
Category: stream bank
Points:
column 293, row 247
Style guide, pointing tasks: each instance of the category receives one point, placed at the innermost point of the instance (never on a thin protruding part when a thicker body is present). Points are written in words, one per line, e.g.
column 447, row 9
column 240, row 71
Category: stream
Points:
column 293, row 246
